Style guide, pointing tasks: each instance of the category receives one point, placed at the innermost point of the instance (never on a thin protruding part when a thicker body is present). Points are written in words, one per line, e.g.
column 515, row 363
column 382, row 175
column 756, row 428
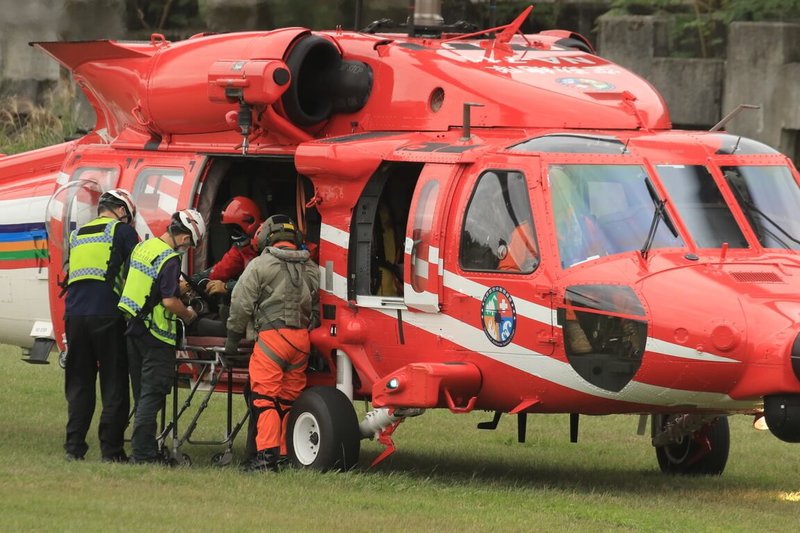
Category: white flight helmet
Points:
column 192, row 221
column 119, row 198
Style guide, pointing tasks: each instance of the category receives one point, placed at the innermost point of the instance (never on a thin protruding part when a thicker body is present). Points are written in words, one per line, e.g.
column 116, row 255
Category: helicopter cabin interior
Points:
column 378, row 225
column 271, row 182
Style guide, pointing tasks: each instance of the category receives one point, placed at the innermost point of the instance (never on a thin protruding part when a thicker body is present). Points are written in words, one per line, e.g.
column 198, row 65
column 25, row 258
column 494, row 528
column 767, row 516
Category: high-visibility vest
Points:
column 90, row 252
column 147, row 260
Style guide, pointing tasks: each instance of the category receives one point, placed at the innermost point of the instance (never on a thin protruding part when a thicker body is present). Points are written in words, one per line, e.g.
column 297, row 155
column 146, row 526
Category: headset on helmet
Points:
column 242, row 213
column 189, row 221
column 277, row 228
column 118, row 198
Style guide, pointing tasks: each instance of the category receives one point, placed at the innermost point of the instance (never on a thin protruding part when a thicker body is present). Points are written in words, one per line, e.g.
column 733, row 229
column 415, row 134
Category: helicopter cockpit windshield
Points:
column 770, row 199
column 699, row 202
column 603, row 210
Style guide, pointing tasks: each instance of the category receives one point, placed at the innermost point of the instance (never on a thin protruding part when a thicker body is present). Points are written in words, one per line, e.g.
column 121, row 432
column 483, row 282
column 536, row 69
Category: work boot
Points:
column 158, row 460
column 70, row 457
column 264, row 461
column 119, row 457
column 576, row 338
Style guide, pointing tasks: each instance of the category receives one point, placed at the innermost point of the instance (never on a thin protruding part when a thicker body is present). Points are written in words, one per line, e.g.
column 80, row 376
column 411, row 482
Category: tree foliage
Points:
column 161, row 14
column 700, row 26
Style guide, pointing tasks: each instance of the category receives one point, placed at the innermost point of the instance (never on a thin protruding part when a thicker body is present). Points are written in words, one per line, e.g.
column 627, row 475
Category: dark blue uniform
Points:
column 95, row 337
column 152, row 368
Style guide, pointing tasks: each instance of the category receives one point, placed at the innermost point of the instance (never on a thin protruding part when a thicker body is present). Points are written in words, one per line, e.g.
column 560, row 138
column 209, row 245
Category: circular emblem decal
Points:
column 499, row 316
column 586, row 84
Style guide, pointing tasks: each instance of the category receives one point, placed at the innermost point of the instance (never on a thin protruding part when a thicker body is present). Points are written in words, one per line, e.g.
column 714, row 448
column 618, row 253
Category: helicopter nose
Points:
column 782, row 411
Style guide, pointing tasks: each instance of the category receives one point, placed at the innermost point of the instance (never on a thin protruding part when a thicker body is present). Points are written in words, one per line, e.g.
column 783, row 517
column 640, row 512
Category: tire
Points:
column 322, row 431
column 222, row 458
column 679, row 457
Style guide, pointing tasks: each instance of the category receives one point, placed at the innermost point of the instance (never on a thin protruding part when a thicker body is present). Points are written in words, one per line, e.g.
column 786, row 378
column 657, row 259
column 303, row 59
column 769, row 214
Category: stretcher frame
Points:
column 205, row 370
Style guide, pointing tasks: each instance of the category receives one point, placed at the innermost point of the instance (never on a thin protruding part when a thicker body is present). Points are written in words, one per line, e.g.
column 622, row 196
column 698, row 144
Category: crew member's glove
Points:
column 192, row 316
column 232, row 342
column 216, row 286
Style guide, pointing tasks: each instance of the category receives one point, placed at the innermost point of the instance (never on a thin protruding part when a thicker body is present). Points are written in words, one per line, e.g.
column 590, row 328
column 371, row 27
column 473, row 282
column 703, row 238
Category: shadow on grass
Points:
column 509, row 472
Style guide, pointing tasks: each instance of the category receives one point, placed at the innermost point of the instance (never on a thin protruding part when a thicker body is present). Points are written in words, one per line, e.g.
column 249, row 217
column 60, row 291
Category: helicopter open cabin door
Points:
column 70, row 207
column 422, row 265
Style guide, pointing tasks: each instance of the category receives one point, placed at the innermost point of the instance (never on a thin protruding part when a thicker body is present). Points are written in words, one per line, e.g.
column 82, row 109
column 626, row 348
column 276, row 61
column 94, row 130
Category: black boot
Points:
column 265, row 461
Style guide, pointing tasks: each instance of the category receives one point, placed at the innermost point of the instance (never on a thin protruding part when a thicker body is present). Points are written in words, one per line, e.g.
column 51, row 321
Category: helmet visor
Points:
column 236, row 233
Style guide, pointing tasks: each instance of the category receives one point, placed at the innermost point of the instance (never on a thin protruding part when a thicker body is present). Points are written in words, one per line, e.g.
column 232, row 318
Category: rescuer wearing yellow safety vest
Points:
column 278, row 296
column 98, row 255
column 151, row 301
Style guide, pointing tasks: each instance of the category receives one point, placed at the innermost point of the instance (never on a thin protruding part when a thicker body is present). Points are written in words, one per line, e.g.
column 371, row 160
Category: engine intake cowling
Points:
column 322, row 82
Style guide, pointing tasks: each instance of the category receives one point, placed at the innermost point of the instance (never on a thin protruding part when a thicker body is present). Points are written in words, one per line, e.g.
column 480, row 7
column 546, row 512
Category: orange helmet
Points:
column 242, row 217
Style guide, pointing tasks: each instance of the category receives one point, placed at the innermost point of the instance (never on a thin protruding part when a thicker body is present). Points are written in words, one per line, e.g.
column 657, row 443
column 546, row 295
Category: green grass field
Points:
column 445, row 476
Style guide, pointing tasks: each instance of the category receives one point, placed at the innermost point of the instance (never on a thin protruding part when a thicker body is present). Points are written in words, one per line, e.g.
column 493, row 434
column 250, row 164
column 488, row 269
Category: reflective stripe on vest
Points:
column 147, row 260
column 278, row 360
column 90, row 251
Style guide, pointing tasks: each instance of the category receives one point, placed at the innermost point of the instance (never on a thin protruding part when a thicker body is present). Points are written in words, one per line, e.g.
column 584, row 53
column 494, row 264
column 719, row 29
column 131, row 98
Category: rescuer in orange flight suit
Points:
column 278, row 294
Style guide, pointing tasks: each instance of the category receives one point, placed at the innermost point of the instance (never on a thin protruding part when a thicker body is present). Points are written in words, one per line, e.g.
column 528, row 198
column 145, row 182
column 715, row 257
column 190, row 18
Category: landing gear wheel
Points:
column 222, row 458
column 322, row 431
column 185, row 460
column 686, row 456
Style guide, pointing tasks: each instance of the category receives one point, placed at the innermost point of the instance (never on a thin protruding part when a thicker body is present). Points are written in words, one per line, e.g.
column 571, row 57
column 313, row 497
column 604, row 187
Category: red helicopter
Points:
column 505, row 222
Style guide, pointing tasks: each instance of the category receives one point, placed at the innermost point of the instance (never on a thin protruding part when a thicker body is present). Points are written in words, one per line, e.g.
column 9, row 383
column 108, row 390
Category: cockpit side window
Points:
column 106, row 178
column 155, row 193
column 499, row 234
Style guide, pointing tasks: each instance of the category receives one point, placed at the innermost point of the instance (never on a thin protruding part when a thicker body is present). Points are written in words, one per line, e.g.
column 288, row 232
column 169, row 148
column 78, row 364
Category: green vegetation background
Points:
column 445, row 476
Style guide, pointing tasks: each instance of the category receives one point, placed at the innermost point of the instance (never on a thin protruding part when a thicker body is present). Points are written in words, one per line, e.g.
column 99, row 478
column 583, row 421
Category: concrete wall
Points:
column 692, row 88
column 762, row 68
column 27, row 72
column 762, row 65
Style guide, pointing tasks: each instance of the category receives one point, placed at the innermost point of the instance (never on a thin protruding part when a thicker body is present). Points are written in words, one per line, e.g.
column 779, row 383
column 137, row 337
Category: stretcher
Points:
column 204, row 369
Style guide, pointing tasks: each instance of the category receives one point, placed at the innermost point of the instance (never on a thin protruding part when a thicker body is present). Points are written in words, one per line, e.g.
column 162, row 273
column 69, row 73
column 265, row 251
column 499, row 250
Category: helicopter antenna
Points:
column 465, row 135
column 512, row 29
column 730, row 116
column 509, row 30
column 411, row 13
column 357, row 23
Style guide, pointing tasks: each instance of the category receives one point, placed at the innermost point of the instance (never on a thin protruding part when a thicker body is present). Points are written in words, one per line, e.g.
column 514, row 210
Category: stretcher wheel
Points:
column 185, row 460
column 62, row 359
column 222, row 458
column 323, row 431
